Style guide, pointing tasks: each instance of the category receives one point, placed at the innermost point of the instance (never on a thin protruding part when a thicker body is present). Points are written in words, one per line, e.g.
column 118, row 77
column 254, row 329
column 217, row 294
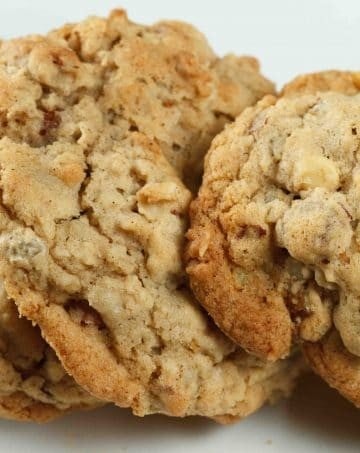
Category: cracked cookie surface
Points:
column 33, row 384
column 97, row 265
column 277, row 220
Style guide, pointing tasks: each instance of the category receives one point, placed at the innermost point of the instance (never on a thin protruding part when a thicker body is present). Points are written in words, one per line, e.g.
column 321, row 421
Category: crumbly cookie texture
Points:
column 90, row 248
column 107, row 115
column 297, row 230
column 277, row 218
column 33, row 384
column 163, row 80
column 329, row 357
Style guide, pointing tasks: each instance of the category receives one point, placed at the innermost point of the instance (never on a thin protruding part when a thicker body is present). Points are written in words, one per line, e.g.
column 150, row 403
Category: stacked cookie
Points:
column 104, row 126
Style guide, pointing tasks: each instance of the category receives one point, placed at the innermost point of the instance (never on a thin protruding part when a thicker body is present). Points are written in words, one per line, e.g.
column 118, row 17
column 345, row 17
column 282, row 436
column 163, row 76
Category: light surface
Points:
column 315, row 420
column 289, row 37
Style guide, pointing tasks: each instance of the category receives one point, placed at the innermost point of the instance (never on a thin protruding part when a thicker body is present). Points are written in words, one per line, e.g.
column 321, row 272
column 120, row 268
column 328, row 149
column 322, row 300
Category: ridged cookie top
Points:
column 33, row 384
column 277, row 218
column 163, row 80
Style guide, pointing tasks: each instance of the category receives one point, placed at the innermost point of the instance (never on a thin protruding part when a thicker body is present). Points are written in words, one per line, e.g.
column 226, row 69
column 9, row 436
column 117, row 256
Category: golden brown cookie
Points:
column 93, row 215
column 276, row 220
column 33, row 384
column 163, row 80
column 329, row 357
column 97, row 265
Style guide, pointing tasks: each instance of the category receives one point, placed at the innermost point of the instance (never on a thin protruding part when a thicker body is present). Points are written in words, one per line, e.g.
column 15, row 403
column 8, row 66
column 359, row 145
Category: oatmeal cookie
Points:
column 91, row 250
column 99, row 122
column 277, row 220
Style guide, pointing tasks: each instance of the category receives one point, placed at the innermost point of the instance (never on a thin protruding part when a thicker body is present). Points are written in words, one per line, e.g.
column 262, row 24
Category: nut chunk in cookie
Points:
column 276, row 219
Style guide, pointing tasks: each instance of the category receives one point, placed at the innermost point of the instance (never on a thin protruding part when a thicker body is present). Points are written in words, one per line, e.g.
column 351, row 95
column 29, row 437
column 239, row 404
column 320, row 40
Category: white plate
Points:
column 289, row 37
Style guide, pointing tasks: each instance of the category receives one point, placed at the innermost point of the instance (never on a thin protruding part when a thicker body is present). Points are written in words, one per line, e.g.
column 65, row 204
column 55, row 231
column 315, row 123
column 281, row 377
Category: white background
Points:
column 289, row 37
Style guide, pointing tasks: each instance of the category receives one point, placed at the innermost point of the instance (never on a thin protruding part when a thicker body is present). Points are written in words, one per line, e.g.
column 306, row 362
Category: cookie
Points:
column 276, row 219
column 329, row 357
column 346, row 82
column 163, row 80
column 33, row 384
column 98, row 266
column 92, row 235
column 93, row 213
